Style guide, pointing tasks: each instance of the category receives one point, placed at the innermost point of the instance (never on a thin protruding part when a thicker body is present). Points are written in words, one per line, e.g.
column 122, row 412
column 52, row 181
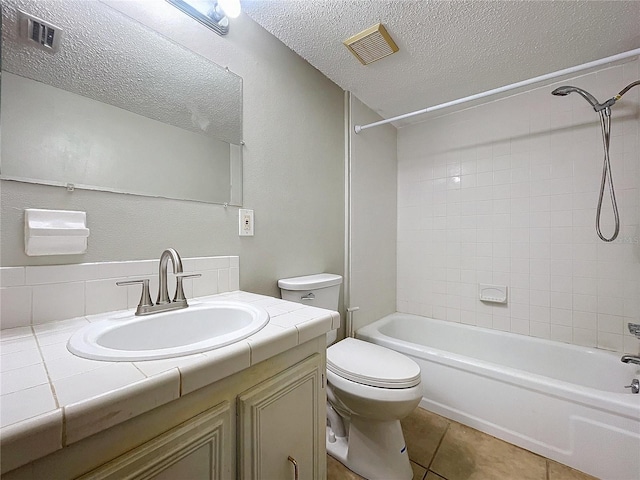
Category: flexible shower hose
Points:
column 605, row 123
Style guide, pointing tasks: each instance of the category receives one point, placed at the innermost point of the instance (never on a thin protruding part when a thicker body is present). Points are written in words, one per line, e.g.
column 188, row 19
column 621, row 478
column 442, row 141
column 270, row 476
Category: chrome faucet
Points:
column 163, row 292
column 630, row 359
column 163, row 304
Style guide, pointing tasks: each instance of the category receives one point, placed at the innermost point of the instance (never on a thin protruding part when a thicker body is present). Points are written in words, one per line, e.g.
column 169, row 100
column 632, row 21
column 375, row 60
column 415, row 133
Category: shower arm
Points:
column 506, row 88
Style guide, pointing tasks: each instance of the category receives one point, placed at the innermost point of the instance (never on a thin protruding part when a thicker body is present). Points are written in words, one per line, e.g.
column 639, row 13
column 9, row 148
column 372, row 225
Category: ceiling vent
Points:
column 38, row 33
column 371, row 44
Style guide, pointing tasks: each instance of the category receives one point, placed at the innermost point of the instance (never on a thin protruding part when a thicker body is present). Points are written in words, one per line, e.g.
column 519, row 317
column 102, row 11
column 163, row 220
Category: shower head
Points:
column 567, row 89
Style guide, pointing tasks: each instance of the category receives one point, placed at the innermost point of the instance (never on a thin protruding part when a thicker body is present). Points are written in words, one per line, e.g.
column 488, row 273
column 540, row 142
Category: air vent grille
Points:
column 371, row 44
column 38, row 33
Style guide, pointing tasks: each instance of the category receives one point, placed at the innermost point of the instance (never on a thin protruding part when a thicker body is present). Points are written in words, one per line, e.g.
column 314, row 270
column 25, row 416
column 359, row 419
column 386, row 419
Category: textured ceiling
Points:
column 106, row 56
column 448, row 49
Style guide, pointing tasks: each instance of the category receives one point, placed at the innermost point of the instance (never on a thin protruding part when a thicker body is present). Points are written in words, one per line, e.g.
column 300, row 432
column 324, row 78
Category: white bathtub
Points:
column 564, row 402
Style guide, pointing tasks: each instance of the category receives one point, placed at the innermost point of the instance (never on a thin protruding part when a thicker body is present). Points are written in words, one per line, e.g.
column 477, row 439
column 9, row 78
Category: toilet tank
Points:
column 321, row 290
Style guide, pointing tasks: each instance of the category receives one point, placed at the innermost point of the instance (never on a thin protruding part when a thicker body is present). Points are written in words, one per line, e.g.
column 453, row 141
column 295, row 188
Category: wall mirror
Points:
column 93, row 99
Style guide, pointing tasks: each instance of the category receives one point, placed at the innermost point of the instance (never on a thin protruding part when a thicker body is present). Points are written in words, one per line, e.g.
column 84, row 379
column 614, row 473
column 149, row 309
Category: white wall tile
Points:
column 12, row 276
column 223, row 280
column 120, row 270
column 60, row 273
column 15, row 307
column 631, row 345
column 610, row 341
column 104, row 296
column 207, row 284
column 58, row 301
column 561, row 333
column 37, row 295
column 540, row 330
column 611, row 324
column 524, row 216
column 585, row 337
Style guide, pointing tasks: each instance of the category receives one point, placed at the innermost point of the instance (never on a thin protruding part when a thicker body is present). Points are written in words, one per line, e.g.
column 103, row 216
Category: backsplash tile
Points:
column 506, row 193
column 104, row 295
column 37, row 295
column 58, row 301
column 12, row 276
column 15, row 306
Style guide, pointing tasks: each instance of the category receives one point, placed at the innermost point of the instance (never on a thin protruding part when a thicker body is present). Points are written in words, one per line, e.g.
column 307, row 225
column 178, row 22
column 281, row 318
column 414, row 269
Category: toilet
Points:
column 369, row 390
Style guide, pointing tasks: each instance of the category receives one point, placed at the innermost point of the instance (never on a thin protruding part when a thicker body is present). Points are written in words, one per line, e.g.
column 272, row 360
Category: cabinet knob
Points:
column 295, row 467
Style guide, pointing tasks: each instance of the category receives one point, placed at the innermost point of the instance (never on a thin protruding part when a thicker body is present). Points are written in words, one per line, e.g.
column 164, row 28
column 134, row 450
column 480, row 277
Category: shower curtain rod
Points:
column 523, row 83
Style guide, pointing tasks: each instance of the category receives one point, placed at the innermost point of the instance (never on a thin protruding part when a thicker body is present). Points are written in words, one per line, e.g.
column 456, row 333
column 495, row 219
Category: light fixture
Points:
column 214, row 14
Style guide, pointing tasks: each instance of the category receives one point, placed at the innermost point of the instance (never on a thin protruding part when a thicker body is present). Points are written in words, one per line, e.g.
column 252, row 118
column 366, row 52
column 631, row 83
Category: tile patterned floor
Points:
column 441, row 449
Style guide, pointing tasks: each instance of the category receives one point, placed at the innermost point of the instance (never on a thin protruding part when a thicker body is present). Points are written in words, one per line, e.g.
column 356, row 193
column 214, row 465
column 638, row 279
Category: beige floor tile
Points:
column 433, row 476
column 558, row 471
column 467, row 454
column 337, row 471
column 423, row 431
column 418, row 471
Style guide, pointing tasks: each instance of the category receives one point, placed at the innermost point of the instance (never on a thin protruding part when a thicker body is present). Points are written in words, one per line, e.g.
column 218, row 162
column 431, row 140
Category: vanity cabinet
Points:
column 196, row 449
column 278, row 428
column 245, row 426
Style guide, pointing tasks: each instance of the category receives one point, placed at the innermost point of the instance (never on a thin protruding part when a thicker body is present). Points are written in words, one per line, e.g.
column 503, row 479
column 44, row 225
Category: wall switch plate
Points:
column 246, row 222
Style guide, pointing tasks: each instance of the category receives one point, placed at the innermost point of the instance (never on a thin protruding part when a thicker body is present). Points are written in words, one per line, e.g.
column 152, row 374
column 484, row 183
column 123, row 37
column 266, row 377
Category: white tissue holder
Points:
column 55, row 232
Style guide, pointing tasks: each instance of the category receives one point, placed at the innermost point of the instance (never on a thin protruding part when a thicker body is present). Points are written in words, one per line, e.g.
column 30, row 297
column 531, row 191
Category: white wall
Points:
column 506, row 193
column 293, row 173
column 373, row 216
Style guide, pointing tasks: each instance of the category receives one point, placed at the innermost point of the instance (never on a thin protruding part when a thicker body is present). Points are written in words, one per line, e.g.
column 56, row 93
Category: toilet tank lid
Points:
column 310, row 282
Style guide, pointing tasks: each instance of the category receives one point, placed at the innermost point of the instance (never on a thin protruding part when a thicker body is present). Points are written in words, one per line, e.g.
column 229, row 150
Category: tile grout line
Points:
column 63, row 433
column 435, row 453
column 46, row 369
column 547, row 469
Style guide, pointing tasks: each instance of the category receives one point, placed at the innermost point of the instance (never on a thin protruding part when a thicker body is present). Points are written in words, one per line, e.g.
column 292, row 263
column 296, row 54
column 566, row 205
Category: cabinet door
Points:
column 198, row 449
column 281, row 425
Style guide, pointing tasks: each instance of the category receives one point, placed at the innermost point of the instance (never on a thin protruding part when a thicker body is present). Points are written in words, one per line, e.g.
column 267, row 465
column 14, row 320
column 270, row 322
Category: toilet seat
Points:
column 372, row 365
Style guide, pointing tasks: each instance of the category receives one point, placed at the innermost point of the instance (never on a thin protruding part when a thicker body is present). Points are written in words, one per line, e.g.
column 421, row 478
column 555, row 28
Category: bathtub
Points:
column 565, row 402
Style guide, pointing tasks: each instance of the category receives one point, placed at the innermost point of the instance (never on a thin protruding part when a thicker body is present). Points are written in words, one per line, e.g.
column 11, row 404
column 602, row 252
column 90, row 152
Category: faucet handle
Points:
column 145, row 298
column 635, row 386
column 179, row 288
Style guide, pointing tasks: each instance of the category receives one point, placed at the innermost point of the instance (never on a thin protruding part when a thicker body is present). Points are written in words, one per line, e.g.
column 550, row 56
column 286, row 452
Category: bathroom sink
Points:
column 198, row 328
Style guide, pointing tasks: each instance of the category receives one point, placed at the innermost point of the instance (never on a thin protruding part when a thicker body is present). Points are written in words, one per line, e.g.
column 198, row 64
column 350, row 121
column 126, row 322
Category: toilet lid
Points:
column 373, row 365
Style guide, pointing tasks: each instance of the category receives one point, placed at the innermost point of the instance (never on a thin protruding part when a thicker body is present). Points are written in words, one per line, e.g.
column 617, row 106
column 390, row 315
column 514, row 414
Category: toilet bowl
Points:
column 369, row 390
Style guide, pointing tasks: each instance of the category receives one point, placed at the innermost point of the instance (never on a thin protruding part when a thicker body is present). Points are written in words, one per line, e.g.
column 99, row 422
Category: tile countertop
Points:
column 46, row 390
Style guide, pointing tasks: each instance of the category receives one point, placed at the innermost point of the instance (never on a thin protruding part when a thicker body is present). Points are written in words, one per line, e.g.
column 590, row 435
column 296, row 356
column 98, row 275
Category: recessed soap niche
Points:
column 492, row 293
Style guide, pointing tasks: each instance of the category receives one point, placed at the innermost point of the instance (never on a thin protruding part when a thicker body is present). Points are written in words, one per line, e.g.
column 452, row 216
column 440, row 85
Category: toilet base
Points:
column 373, row 449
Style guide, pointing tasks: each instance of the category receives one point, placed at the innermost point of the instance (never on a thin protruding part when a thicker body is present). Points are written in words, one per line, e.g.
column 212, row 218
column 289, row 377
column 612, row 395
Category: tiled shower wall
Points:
column 506, row 193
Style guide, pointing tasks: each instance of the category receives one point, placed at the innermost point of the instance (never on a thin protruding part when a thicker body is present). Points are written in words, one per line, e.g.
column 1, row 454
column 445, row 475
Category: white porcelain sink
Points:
column 198, row 328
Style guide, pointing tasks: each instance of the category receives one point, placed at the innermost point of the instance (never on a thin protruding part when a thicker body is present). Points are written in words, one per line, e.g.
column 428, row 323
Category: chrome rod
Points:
column 506, row 88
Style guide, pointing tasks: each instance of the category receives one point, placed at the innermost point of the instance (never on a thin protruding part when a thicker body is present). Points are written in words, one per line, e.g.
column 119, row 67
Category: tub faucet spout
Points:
column 630, row 359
